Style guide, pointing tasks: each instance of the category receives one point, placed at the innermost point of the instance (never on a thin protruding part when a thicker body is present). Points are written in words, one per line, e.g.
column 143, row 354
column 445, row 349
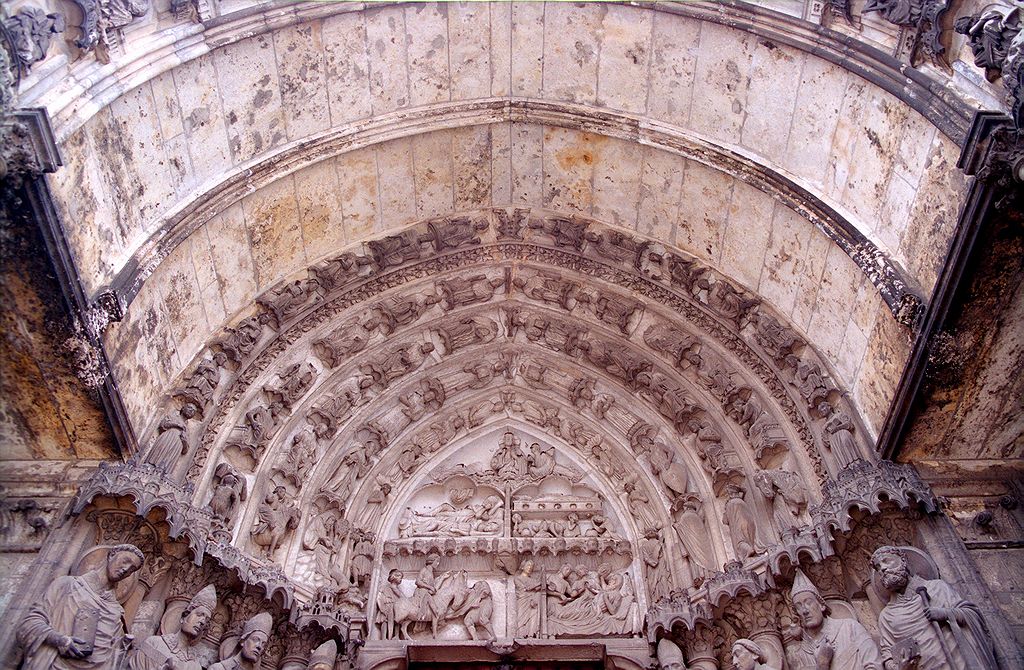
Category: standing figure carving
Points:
column 823, row 642
column 839, row 438
column 652, row 551
column 252, row 643
column 927, row 618
column 229, row 491
column 786, row 493
column 693, row 534
column 529, row 596
column 361, row 564
column 739, row 517
column 748, row 655
column 277, row 517
column 170, row 443
column 389, row 594
column 78, row 625
column 176, row 651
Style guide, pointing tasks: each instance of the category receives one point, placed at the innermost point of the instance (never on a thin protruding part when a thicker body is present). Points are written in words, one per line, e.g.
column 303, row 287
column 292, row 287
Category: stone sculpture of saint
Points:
column 252, row 643
column 528, row 589
column 927, row 618
column 824, row 642
column 748, row 655
column 176, row 651
column 323, row 657
column 739, row 517
column 170, row 443
column 79, row 625
column 670, row 656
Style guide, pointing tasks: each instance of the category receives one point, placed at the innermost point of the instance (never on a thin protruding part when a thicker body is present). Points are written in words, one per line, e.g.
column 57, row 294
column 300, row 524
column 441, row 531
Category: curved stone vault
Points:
column 496, row 334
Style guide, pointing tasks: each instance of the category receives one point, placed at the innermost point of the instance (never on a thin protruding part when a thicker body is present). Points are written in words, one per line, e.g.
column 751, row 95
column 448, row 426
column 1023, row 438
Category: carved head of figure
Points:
column 322, row 658
column 255, row 635
column 890, row 563
column 432, row 559
column 746, row 654
column 565, row 570
column 808, row 604
column 195, row 619
column 526, row 568
column 395, row 577
column 122, row 561
column 670, row 656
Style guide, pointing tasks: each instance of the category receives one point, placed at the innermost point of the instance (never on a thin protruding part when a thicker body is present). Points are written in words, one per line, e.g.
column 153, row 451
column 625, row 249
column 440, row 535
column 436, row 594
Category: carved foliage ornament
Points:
column 101, row 21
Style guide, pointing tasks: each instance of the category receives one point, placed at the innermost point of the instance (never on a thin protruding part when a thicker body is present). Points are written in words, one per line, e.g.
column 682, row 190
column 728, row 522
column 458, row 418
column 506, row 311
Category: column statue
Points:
column 927, row 618
column 823, row 642
column 79, row 624
column 324, row 656
column 670, row 656
column 253, row 641
column 176, row 651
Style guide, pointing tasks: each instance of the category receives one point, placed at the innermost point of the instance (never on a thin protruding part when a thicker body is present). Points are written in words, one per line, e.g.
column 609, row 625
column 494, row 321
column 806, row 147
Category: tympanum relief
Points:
column 546, row 554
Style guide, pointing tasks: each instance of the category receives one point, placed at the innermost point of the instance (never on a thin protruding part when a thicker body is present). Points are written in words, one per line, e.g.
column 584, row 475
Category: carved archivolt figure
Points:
column 787, row 494
column 277, row 517
column 659, row 582
column 741, row 522
column 170, row 443
column 361, row 564
column 529, row 600
column 177, row 650
column 748, row 655
column 253, row 641
column 79, row 624
column 927, row 618
column 839, row 438
column 823, row 642
column 229, row 491
column 326, row 535
column 693, row 534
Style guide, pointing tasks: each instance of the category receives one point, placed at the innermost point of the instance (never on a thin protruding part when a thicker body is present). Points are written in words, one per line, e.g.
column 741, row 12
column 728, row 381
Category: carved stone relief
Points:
column 31, row 30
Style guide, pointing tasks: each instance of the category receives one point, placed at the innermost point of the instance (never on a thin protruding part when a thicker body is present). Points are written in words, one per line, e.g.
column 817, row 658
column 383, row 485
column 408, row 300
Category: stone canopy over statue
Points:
column 79, row 624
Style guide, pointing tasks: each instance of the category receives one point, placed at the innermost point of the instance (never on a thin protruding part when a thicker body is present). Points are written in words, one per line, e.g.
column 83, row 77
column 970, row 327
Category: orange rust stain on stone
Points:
column 583, row 152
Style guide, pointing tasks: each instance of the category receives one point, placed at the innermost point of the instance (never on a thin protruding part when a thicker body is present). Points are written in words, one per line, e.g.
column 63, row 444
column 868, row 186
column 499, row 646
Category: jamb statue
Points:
column 252, row 643
column 927, row 618
column 824, row 642
column 79, row 625
column 175, row 651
